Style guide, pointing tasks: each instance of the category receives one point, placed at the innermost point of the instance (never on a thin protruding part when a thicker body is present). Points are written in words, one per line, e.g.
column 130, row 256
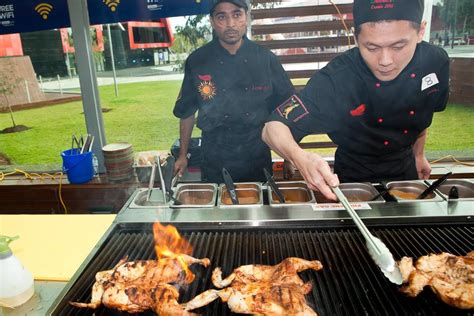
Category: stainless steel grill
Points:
column 349, row 284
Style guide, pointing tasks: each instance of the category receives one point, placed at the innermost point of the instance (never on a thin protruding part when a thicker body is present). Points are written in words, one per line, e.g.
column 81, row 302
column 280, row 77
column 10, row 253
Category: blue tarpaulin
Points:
column 18, row 16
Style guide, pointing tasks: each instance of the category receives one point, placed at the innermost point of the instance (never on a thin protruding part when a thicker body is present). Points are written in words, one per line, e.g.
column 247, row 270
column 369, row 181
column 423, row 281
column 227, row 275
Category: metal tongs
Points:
column 271, row 182
column 433, row 186
column 377, row 249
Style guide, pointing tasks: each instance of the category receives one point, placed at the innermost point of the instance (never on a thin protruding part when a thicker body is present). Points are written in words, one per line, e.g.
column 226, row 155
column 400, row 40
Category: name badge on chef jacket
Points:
column 429, row 81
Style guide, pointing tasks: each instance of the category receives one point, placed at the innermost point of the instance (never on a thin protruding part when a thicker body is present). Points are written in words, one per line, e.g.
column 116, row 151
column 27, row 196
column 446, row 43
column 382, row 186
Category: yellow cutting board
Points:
column 52, row 247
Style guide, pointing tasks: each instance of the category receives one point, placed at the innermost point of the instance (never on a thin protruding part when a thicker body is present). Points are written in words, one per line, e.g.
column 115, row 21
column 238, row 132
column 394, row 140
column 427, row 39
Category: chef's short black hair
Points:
column 414, row 25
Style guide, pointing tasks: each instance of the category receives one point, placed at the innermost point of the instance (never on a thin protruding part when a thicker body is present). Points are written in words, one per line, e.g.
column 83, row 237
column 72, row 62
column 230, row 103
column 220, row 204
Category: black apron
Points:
column 353, row 167
column 241, row 152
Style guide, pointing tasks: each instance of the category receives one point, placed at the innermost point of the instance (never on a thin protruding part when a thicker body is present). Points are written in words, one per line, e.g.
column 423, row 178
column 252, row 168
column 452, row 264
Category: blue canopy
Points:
column 18, row 16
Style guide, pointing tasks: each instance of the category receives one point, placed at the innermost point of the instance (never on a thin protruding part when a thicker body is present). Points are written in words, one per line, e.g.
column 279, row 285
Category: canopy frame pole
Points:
column 80, row 25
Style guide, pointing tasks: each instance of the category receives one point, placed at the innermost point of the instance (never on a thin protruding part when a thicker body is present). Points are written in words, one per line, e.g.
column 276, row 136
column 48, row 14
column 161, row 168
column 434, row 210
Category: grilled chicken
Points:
column 450, row 277
column 261, row 289
column 137, row 286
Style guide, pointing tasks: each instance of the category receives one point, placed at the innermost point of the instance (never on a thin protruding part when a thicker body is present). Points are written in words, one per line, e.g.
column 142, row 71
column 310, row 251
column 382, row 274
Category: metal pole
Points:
column 41, row 83
column 112, row 59
column 79, row 16
column 59, row 84
column 68, row 65
column 455, row 21
column 427, row 14
column 27, row 92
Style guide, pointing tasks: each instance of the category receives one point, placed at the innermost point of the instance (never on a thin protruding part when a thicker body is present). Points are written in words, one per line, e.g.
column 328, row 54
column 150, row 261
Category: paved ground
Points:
column 141, row 74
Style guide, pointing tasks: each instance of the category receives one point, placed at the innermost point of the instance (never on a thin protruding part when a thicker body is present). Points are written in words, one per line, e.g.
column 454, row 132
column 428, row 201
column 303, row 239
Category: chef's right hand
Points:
column 180, row 165
column 317, row 173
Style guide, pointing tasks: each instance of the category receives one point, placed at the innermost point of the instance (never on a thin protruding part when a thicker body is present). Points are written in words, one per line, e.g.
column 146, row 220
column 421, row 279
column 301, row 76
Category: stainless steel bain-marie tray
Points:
column 248, row 193
column 355, row 193
column 195, row 195
column 465, row 188
column 408, row 191
column 296, row 193
column 140, row 199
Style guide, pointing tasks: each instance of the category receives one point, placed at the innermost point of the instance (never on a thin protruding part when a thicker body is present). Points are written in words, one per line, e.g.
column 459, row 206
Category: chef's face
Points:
column 229, row 23
column 387, row 47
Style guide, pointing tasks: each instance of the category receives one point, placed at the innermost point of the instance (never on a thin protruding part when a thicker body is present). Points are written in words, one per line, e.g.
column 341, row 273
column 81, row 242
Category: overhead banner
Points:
column 27, row 15
column 112, row 11
column 18, row 16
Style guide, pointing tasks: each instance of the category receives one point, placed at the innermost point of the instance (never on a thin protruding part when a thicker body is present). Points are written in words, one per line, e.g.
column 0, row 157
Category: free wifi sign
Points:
column 111, row 4
column 44, row 9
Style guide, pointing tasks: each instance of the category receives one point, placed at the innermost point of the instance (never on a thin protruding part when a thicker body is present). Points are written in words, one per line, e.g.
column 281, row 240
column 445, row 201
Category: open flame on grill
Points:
column 170, row 244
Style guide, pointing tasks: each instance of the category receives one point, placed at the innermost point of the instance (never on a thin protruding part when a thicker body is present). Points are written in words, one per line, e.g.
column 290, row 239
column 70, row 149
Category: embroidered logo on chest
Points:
column 358, row 111
column 206, row 87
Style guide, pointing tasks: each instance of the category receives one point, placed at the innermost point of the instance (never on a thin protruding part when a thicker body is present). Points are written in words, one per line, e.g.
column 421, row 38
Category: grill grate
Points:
column 349, row 284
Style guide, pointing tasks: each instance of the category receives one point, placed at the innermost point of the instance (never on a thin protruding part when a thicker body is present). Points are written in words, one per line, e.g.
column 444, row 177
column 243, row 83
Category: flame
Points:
column 170, row 244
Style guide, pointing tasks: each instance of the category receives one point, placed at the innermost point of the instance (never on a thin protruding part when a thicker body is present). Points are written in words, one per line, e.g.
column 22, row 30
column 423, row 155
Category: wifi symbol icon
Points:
column 112, row 4
column 44, row 9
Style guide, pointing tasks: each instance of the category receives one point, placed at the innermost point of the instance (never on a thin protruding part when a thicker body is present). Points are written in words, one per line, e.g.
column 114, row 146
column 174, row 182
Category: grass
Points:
column 142, row 115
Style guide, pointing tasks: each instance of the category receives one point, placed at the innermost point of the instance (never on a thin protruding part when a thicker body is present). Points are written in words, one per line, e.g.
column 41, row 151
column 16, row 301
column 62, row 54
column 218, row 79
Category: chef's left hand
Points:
column 423, row 167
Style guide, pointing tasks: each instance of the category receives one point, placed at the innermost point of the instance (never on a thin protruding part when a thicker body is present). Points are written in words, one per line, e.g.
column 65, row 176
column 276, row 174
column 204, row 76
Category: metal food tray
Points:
column 299, row 187
column 206, row 192
column 361, row 192
column 156, row 199
column 252, row 187
column 355, row 193
column 465, row 189
column 415, row 187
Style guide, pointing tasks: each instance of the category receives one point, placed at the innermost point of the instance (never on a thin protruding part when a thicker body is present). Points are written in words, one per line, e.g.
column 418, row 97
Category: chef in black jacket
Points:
column 234, row 84
column 375, row 101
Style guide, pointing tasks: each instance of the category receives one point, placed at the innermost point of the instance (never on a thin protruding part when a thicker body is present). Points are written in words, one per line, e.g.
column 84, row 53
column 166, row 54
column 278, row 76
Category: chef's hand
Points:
column 317, row 173
column 288, row 170
column 423, row 167
column 180, row 165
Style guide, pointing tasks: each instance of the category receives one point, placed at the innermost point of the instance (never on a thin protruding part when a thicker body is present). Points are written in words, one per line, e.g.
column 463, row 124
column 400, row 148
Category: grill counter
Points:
column 349, row 284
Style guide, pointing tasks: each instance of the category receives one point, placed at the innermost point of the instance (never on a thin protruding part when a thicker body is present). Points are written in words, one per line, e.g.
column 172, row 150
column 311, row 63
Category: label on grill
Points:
column 339, row 206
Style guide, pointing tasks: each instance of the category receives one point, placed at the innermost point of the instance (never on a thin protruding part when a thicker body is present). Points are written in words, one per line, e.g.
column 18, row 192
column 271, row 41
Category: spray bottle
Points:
column 16, row 283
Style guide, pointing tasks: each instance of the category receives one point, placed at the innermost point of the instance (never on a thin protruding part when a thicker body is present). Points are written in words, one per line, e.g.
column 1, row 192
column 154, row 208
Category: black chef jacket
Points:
column 234, row 95
column 374, row 123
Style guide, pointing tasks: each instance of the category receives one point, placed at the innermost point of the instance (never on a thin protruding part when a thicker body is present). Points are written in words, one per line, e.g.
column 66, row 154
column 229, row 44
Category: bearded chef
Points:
column 234, row 84
column 375, row 102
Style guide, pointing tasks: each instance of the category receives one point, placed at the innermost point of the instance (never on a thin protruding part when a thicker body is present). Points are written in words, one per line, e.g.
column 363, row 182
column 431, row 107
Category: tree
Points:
column 195, row 33
column 458, row 15
column 8, row 84
column 196, row 30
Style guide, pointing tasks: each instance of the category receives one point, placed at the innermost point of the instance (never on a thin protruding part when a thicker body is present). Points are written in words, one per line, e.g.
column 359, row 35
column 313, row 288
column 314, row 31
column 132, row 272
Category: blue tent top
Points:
column 36, row 15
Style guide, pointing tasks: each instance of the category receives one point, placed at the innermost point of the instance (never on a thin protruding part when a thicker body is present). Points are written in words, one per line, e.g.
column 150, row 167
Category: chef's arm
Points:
column 314, row 169
column 186, row 126
column 422, row 165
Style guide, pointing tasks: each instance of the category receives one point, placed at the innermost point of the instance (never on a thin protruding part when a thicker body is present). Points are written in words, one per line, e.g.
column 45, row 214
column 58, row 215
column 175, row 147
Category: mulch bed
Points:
column 15, row 129
column 4, row 160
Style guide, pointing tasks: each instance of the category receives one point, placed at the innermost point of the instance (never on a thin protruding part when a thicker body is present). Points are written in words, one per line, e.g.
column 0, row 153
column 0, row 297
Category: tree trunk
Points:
column 10, row 108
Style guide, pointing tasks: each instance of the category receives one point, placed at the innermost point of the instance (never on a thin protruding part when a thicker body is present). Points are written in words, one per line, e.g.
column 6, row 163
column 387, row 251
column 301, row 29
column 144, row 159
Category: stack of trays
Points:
column 118, row 160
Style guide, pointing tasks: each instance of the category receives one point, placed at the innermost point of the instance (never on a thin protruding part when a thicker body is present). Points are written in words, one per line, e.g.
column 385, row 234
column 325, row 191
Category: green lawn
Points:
column 142, row 115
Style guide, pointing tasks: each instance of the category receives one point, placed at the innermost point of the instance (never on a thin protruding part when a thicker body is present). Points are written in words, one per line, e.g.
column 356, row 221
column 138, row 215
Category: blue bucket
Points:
column 78, row 166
